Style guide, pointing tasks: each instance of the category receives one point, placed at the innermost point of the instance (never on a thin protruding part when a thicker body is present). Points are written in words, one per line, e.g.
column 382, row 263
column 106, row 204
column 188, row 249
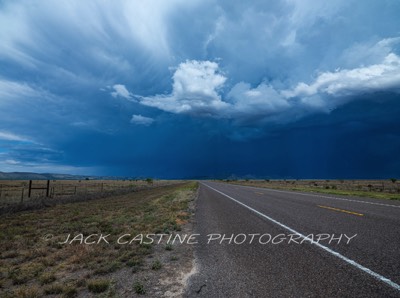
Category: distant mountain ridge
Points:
column 44, row 176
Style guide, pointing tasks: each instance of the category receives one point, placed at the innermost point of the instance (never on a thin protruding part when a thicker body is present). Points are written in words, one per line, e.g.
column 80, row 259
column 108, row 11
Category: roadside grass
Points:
column 328, row 189
column 354, row 193
column 34, row 262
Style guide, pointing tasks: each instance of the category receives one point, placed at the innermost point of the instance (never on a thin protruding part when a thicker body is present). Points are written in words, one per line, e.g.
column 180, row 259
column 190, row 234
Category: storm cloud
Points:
column 98, row 87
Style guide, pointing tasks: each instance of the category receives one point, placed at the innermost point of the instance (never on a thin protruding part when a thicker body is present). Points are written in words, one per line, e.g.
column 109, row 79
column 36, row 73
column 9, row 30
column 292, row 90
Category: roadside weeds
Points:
column 33, row 263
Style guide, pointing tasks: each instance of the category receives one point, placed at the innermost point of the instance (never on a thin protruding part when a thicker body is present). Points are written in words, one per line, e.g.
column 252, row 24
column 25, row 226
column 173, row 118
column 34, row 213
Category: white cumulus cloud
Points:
column 263, row 99
column 368, row 53
column 194, row 91
column 141, row 120
column 197, row 90
column 347, row 82
column 121, row 91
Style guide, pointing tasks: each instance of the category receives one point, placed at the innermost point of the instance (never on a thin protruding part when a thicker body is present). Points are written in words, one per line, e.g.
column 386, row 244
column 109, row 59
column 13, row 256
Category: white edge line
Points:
column 319, row 196
column 332, row 252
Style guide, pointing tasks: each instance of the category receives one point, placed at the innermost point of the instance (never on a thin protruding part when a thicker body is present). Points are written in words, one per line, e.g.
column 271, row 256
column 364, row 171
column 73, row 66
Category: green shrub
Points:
column 98, row 285
column 139, row 288
column 156, row 265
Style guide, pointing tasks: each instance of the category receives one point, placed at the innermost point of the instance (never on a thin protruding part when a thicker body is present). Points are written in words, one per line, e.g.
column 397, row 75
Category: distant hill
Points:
column 44, row 176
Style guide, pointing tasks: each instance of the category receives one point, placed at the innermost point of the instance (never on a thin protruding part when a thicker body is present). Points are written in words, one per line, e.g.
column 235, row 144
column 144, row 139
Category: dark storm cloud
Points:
column 186, row 88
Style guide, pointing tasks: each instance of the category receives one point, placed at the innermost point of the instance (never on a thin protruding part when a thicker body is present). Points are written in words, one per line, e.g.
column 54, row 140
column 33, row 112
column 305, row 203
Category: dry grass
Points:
column 379, row 189
column 33, row 263
column 16, row 191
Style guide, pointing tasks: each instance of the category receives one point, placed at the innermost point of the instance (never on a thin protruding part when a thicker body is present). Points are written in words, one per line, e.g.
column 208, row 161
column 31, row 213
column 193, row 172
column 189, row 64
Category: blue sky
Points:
column 182, row 89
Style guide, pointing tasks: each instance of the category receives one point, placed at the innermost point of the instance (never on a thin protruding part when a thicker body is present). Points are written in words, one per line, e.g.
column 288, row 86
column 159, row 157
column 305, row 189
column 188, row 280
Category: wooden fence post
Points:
column 48, row 188
column 30, row 188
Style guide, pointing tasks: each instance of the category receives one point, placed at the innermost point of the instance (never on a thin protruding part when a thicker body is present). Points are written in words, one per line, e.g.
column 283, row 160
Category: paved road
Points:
column 277, row 261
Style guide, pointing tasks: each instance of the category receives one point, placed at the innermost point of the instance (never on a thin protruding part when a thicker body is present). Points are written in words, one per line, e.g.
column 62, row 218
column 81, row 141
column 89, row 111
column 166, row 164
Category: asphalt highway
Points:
column 257, row 242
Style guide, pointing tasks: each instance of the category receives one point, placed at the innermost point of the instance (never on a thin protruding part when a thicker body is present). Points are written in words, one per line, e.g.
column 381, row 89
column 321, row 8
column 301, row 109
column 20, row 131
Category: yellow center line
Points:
column 259, row 193
column 341, row 210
